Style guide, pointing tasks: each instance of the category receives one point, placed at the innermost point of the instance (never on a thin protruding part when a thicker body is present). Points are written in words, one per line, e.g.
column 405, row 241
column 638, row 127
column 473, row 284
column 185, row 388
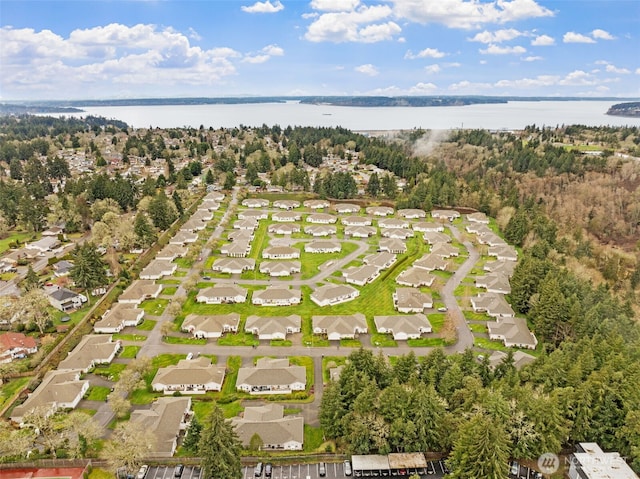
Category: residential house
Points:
column 478, row 218
column 283, row 229
column 193, row 225
column 411, row 300
column 346, row 208
column 280, row 268
column 59, row 389
column 183, row 237
column 491, row 239
column 340, row 327
column 426, row 227
column 415, row 277
column 214, row 196
column 392, row 245
column 286, row 216
column 255, row 215
column 93, row 349
column 272, row 376
column 245, row 236
column 250, row 224
column 158, row 269
column 209, row 205
column 448, row 215
column 360, row 231
column 273, row 327
column 233, row 265
column 164, row 422
column 403, row 327
column 222, row 294
column 321, row 218
column 478, row 229
column 382, row 260
column 320, row 230
column 397, row 233
column 323, row 247
column 504, row 252
column 118, row 317
column 493, row 304
column 412, row 213
column 513, row 332
column 255, row 203
column 203, row 215
column 189, row 376
column 332, row 294
column 379, row 210
column 494, row 283
column 503, row 267
column 239, row 248
column 356, row 221
column 434, row 237
column 16, row 346
column 277, row 296
column 275, row 430
column 170, row 252
column 281, row 252
column 431, row 262
column 211, row 326
column 64, row 299
column 44, row 244
column 62, row 268
column 520, row 359
column 316, row 204
column 361, row 275
column 444, row 250
column 286, row 204
column 391, row 223
column 140, row 290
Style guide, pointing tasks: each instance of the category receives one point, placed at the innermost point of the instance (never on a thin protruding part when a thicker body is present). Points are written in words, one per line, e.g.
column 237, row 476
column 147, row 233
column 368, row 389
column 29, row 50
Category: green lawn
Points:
column 478, row 328
column 311, row 262
column 473, row 316
column 233, row 364
column 426, row 342
column 130, row 337
column 22, row 237
column 313, row 438
column 111, row 372
column 168, row 281
column 154, row 307
column 238, row 339
column 437, row 321
column 280, row 342
column 383, row 340
column 146, row 325
column 179, row 274
column 10, row 388
column 169, row 290
column 350, row 343
column 129, row 352
column 97, row 393
column 183, row 263
column 331, row 362
column 180, row 340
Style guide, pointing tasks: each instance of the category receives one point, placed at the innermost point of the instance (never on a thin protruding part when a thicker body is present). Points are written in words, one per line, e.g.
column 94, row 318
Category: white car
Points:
column 142, row 472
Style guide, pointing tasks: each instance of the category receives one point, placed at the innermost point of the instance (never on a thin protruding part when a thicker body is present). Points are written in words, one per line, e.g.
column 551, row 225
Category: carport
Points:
column 364, row 465
column 407, row 461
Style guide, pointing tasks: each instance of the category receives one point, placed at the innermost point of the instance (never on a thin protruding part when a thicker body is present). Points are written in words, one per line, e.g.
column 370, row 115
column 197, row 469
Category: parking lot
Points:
column 166, row 472
column 435, row 469
column 523, row 472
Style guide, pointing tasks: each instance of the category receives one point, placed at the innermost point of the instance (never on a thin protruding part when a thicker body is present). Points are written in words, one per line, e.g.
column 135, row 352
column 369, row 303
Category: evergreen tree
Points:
column 143, row 230
column 229, row 181
column 192, row 436
column 178, row 202
column 88, row 271
column 481, row 450
column 209, row 179
column 31, row 280
column 373, row 187
column 161, row 213
column 219, row 448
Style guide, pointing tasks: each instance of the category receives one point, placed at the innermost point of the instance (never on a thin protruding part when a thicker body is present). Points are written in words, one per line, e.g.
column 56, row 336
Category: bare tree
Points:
column 80, row 432
column 33, row 308
column 130, row 443
column 15, row 442
column 41, row 420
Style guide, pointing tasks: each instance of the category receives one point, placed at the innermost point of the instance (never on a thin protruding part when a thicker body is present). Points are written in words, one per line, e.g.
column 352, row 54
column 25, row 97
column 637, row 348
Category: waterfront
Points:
column 503, row 116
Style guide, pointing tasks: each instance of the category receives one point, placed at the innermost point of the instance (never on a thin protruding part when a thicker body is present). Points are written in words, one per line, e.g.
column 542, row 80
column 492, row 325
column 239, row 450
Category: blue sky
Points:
column 153, row 48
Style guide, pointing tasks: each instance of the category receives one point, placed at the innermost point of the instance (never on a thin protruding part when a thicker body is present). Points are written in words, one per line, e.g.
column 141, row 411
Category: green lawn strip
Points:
column 260, row 240
column 292, row 410
column 311, row 262
column 307, row 362
column 478, row 328
column 329, row 362
column 154, row 307
column 183, row 263
column 467, row 290
column 238, row 339
column 97, row 393
column 473, row 316
column 168, row 281
column 143, row 396
column 233, row 364
column 437, row 321
column 22, row 237
column 489, row 344
column 9, row 389
column 88, row 412
column 130, row 337
column 383, row 340
column 426, row 342
column 111, row 371
column 313, row 438
column 350, row 343
column 97, row 473
column 146, row 325
column 169, row 290
column 129, row 352
column 280, row 342
column 181, row 340
column 179, row 274
column 209, row 262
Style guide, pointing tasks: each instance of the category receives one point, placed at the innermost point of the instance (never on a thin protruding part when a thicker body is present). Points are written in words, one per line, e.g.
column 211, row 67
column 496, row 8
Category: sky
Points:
column 106, row 49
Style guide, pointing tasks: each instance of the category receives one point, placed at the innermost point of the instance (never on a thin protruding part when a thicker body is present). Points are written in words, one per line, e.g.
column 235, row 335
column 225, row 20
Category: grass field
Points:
column 22, row 237
column 97, row 393
column 9, row 389
column 169, row 290
column 154, row 307
column 146, row 325
column 129, row 352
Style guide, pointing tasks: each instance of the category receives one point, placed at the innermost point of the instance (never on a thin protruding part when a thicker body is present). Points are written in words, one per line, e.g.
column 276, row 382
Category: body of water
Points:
column 504, row 116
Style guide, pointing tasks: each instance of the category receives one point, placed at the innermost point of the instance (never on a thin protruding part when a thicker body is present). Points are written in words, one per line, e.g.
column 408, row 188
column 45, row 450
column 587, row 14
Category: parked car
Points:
column 257, row 471
column 177, row 472
column 347, row 468
column 322, row 469
column 142, row 472
column 267, row 470
column 515, row 468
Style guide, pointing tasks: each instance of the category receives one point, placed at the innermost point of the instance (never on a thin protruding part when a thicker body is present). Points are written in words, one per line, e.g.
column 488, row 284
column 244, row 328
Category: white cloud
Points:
column 498, row 36
column 468, row 14
column 573, row 37
column 426, row 53
column 422, row 88
column 334, row 5
column 578, row 77
column 532, row 59
column 524, row 83
column 637, row 71
column 263, row 7
column 469, row 87
column 602, row 34
column 613, row 69
column 273, row 50
column 367, row 69
column 498, row 50
column 543, row 41
column 264, row 55
column 432, row 69
column 364, row 25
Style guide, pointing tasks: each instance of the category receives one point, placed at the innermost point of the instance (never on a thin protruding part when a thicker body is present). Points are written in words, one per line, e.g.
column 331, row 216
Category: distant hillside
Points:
column 630, row 110
column 14, row 109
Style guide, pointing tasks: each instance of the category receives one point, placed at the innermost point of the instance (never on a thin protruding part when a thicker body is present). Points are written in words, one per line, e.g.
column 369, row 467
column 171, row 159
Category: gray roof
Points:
column 411, row 324
column 162, row 421
column 415, row 277
column 270, row 424
column 93, row 348
column 269, row 325
column 520, row 359
column 276, row 293
column 381, row 260
column 345, row 324
column 279, row 266
column 233, row 264
column 215, row 323
column 140, row 289
column 514, row 330
column 198, row 371
column 272, row 372
column 411, row 298
column 332, row 292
